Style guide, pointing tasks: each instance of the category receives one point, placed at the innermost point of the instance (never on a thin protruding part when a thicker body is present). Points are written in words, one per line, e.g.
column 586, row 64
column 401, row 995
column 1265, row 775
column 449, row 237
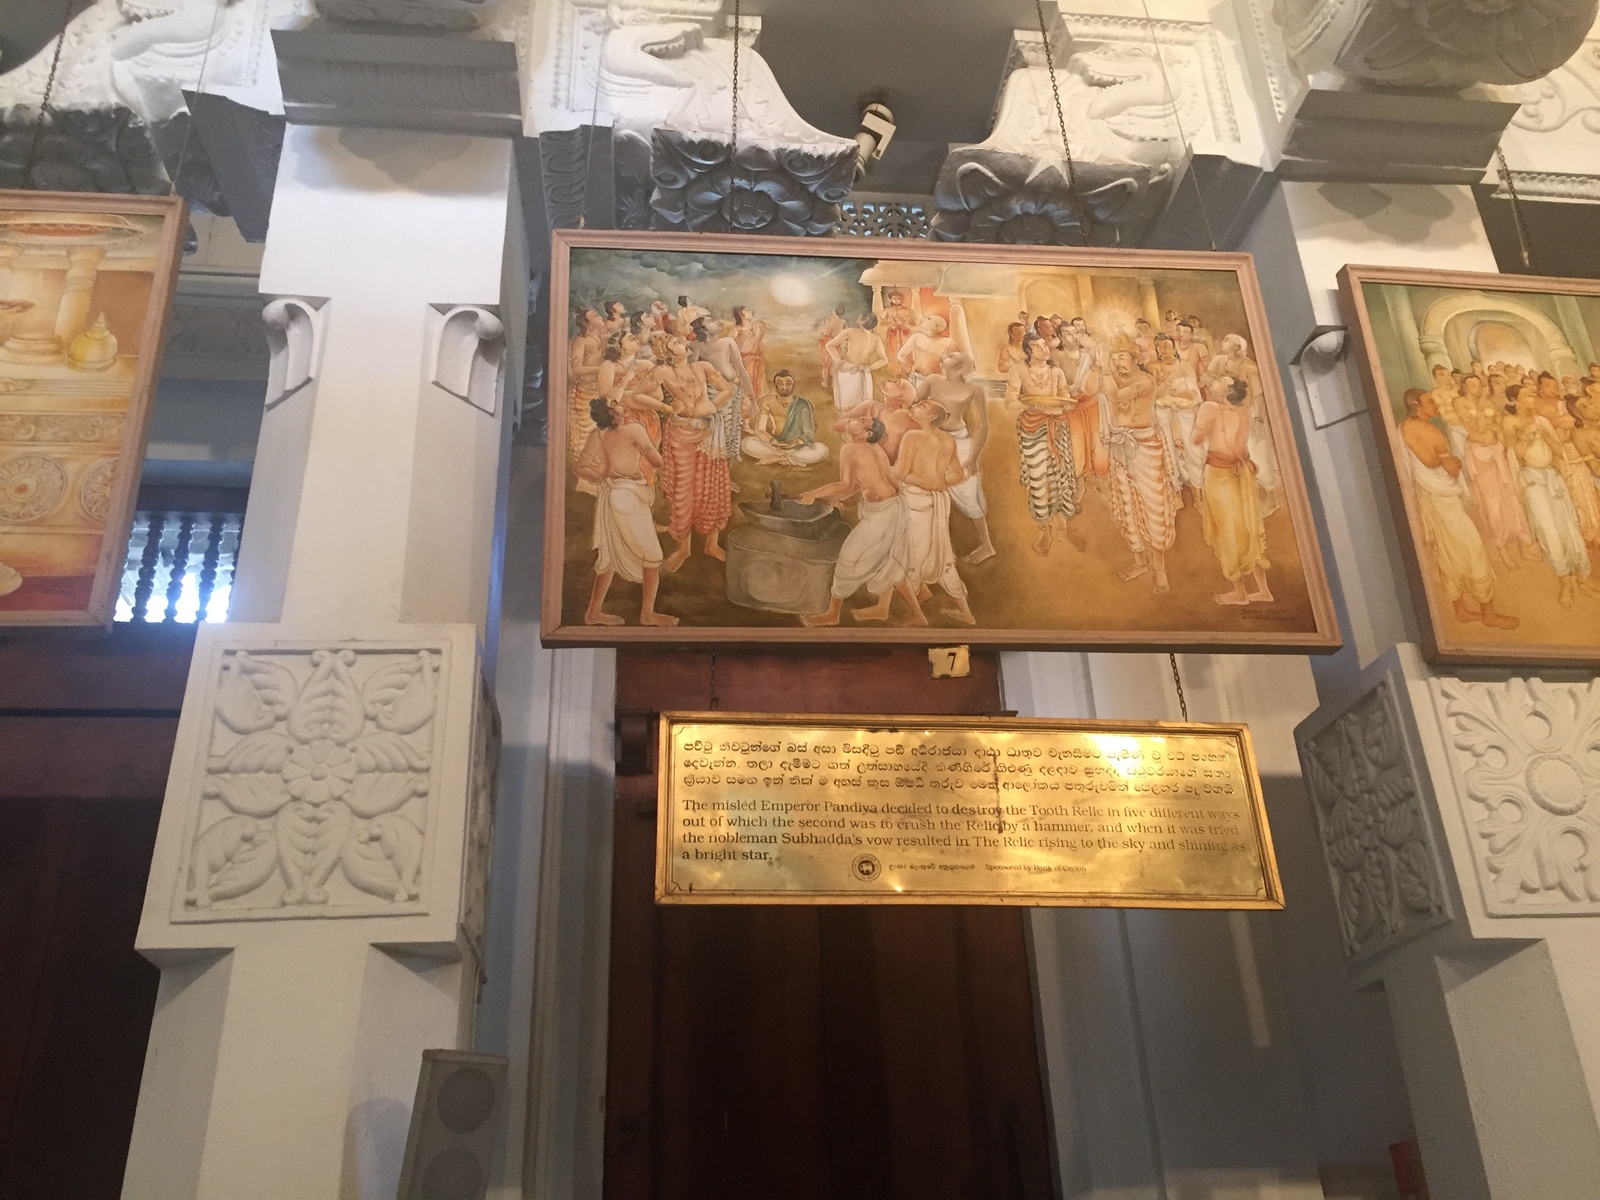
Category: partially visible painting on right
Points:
column 1485, row 394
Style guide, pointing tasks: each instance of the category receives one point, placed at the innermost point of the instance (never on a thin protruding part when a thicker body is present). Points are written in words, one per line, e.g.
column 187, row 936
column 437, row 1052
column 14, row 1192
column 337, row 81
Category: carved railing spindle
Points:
column 180, row 565
column 148, row 561
column 208, row 564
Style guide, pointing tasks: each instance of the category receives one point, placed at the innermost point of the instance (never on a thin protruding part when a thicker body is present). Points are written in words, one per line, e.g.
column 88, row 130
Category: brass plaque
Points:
column 757, row 809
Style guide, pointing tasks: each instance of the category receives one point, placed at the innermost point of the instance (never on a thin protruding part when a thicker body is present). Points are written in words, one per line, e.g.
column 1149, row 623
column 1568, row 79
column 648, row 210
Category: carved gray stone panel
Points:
column 778, row 189
column 1376, row 837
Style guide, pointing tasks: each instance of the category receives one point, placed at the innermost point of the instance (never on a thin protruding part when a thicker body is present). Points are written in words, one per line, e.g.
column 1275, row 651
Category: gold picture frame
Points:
column 1049, row 585
column 86, row 284
column 1495, row 503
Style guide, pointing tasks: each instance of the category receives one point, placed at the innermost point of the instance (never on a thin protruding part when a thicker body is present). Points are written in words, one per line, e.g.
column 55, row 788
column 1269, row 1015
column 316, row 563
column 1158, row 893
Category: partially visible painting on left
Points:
column 85, row 286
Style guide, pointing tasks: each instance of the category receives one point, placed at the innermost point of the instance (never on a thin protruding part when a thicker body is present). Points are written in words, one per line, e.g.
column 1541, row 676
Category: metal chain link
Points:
column 1177, row 121
column 1529, row 262
column 199, row 82
column 733, row 120
column 1061, row 119
column 44, row 101
column 1177, row 682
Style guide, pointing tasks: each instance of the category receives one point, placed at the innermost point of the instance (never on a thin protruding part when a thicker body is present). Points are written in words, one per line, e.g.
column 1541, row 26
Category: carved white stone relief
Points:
column 660, row 74
column 1525, row 754
column 1383, row 863
column 294, row 327
column 468, row 354
column 1446, row 44
column 315, row 798
column 1265, row 38
column 601, row 53
column 1125, row 125
column 1552, row 145
column 1152, row 73
column 1315, row 31
column 141, row 55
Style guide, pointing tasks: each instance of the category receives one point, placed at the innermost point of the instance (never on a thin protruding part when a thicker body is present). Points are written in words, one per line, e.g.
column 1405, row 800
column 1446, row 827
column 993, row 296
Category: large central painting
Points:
column 759, row 441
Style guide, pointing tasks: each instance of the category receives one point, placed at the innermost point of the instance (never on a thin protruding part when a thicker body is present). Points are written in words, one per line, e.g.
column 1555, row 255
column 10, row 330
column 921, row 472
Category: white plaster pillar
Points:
column 547, row 959
column 1441, row 802
column 1189, row 1051
column 1492, row 993
column 317, row 897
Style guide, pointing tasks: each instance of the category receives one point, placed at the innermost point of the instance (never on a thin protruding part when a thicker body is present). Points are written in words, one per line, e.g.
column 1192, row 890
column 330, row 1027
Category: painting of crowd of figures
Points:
column 1485, row 393
column 85, row 285
column 758, row 441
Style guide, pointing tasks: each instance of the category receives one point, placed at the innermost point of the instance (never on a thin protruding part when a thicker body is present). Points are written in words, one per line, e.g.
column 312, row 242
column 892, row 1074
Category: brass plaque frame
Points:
column 868, row 881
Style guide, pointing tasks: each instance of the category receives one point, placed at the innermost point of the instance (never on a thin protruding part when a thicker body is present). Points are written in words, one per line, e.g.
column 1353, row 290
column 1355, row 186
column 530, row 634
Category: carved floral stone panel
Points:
column 318, row 785
column 1526, row 757
column 1383, row 863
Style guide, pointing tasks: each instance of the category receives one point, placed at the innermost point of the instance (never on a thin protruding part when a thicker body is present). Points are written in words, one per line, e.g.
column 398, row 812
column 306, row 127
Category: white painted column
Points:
column 1494, row 1002
column 544, row 1005
column 317, row 897
column 1204, row 1052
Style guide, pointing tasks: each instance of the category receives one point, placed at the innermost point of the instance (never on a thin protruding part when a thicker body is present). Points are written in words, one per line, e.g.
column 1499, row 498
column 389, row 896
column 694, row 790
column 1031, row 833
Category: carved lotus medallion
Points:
column 317, row 783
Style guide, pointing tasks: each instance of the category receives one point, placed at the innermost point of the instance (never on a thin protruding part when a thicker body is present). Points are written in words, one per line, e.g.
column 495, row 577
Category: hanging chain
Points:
column 1061, row 120
column 44, row 101
column 588, row 140
column 188, row 125
column 733, row 119
column 1529, row 262
column 1177, row 682
column 1183, row 137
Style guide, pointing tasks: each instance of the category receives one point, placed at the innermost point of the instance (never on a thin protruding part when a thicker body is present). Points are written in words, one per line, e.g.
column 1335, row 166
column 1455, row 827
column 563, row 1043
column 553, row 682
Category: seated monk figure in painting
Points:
column 614, row 459
column 783, row 429
column 877, row 553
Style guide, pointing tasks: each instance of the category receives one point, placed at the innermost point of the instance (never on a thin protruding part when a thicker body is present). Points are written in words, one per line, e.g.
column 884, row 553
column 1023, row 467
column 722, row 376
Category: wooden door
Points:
column 86, row 732
column 812, row 1053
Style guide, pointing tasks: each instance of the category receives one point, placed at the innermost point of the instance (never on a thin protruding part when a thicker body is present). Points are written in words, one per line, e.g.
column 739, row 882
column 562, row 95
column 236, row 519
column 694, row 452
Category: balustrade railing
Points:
column 179, row 567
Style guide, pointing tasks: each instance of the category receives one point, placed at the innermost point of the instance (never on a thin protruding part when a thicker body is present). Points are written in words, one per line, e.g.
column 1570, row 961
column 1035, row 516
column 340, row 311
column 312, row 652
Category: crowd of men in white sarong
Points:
column 667, row 398
column 1504, row 463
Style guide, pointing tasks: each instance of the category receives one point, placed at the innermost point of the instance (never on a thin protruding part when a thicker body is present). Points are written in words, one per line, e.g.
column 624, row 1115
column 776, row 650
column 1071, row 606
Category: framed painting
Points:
column 1484, row 391
column 757, row 440
column 86, row 282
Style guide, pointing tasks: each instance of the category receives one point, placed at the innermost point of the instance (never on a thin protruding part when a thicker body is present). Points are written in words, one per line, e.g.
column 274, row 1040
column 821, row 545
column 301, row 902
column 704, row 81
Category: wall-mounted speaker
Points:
column 454, row 1125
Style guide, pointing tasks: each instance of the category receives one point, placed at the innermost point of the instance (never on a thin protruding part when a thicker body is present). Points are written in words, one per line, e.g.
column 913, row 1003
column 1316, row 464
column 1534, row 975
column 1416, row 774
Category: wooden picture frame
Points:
column 86, row 285
column 975, row 292
column 1504, row 517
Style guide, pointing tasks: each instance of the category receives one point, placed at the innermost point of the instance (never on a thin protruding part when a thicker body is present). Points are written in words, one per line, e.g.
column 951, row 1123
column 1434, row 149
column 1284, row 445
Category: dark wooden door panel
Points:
column 812, row 1053
column 84, row 757
column 87, row 724
column 77, row 1082
column 34, row 840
